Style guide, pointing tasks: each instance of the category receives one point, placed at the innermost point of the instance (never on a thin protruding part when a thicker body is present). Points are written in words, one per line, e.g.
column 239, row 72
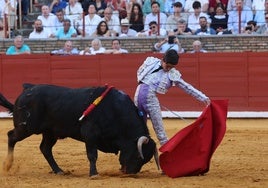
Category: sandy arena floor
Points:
column 241, row 160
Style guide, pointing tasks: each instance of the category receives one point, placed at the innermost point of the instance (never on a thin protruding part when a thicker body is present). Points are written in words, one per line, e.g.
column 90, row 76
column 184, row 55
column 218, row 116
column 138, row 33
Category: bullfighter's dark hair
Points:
column 171, row 56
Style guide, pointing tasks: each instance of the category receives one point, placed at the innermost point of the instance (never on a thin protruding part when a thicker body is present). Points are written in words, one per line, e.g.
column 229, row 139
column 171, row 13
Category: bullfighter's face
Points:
column 167, row 66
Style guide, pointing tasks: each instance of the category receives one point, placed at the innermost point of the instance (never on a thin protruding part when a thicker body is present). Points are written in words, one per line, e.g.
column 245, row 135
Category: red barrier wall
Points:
column 240, row 77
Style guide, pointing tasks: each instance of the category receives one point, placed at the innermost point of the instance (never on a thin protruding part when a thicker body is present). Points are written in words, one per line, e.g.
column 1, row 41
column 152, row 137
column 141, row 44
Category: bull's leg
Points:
column 46, row 145
column 14, row 136
column 92, row 155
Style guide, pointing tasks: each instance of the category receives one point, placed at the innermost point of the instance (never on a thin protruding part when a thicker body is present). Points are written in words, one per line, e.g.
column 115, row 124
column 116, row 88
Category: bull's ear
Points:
column 27, row 86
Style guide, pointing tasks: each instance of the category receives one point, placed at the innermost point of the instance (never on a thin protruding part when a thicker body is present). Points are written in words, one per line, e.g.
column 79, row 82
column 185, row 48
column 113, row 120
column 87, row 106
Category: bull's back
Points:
column 50, row 107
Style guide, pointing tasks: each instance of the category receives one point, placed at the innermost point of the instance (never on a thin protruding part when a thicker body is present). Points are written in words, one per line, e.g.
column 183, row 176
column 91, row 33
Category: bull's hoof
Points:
column 59, row 173
column 94, row 177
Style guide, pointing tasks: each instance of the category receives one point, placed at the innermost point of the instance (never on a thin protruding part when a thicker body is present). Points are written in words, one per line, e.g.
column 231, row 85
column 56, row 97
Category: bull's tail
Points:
column 5, row 103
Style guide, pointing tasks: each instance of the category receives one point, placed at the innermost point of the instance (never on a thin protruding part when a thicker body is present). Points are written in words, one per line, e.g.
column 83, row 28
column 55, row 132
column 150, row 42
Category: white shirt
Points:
column 48, row 23
column 113, row 23
column 4, row 6
column 74, row 12
column 93, row 52
column 43, row 35
column 193, row 21
column 90, row 24
column 151, row 17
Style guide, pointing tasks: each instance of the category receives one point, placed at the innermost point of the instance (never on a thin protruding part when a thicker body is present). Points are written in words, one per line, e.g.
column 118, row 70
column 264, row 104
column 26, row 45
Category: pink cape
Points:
column 189, row 151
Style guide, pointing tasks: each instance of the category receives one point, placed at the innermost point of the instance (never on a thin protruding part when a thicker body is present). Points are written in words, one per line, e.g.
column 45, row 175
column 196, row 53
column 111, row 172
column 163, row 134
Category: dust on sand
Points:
column 241, row 160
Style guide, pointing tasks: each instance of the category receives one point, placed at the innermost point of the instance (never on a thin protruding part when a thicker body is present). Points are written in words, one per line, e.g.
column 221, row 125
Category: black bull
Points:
column 53, row 111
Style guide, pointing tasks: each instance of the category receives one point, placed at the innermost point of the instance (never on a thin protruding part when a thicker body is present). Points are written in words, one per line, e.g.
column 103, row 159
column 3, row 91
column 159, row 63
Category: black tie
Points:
column 156, row 70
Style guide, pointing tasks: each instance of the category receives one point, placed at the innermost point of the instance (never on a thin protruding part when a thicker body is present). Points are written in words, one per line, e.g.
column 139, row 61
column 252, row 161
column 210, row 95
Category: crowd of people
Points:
column 95, row 47
column 137, row 18
column 200, row 17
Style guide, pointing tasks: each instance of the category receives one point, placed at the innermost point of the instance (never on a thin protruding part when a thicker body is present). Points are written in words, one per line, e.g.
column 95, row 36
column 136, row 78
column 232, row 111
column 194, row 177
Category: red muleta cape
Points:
column 189, row 151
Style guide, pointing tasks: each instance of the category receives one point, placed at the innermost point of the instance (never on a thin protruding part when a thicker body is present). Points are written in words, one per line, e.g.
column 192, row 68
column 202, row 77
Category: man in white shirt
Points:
column 116, row 48
column 9, row 7
column 153, row 16
column 125, row 30
column 74, row 11
column 48, row 19
column 172, row 20
column 38, row 32
column 169, row 5
column 91, row 22
column 232, row 5
column 193, row 19
column 233, row 19
column 112, row 20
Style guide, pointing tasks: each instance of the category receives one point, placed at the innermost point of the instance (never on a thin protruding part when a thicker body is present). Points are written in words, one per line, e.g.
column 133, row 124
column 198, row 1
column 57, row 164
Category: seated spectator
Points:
column 100, row 7
column 58, row 22
column 96, row 48
column 74, row 12
column 153, row 31
column 102, row 30
column 91, row 22
column 125, row 30
column 190, row 9
column 9, row 8
column 182, row 28
column 231, row 5
column 233, row 19
column 193, row 19
column 116, row 48
column 170, row 4
column 112, row 20
column 251, row 27
column 153, row 16
column 66, row 50
column 19, row 47
column 48, row 19
column 204, row 27
column 219, row 20
column 67, row 31
column 263, row 29
column 39, row 32
column 213, row 4
column 171, row 42
column 136, row 17
column 197, row 47
column 147, row 6
column 57, row 5
column 176, row 15
column 259, row 11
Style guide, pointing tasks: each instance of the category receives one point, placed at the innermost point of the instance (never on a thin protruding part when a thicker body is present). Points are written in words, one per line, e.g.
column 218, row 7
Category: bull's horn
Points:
column 156, row 158
column 142, row 140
